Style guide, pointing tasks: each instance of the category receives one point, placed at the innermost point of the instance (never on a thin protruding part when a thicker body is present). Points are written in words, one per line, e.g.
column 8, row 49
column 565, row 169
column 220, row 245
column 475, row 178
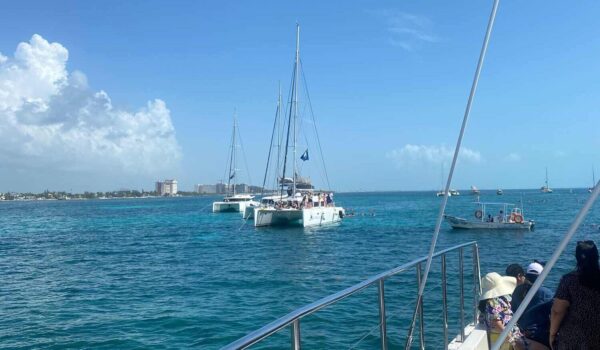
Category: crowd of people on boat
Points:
column 568, row 318
column 309, row 200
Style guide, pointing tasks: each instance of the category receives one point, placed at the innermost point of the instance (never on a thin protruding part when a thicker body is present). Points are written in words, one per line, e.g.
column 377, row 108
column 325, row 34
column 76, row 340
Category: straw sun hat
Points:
column 493, row 285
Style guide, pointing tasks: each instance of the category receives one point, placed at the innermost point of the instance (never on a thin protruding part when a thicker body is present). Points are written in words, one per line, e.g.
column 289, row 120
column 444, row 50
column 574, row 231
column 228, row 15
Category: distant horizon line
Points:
column 463, row 191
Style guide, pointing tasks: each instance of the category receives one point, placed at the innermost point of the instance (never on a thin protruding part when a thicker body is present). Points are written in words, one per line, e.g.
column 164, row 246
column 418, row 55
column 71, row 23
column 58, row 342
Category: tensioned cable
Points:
column 314, row 123
column 549, row 265
column 244, row 154
column 455, row 157
column 262, row 191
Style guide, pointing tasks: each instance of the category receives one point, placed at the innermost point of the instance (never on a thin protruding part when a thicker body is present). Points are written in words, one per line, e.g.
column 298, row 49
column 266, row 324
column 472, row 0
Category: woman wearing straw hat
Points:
column 496, row 312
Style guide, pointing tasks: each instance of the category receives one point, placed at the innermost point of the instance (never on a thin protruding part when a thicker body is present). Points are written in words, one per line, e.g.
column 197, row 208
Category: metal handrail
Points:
column 293, row 317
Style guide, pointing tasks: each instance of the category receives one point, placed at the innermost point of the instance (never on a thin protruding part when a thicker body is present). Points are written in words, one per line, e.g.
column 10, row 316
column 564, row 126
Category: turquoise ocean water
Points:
column 169, row 274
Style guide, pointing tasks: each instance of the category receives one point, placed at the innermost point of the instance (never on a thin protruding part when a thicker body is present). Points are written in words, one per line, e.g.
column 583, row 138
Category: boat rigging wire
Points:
column 244, row 154
column 454, row 159
column 314, row 124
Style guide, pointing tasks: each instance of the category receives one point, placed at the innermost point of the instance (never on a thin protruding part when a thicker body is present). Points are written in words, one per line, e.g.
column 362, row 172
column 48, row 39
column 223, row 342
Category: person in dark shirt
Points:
column 535, row 321
column 541, row 296
column 575, row 317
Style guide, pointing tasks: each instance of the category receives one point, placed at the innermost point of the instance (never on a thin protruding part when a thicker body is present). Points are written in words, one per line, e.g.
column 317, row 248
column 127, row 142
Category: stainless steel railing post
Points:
column 476, row 284
column 382, row 319
column 296, row 334
column 421, row 323
column 461, row 274
column 444, row 303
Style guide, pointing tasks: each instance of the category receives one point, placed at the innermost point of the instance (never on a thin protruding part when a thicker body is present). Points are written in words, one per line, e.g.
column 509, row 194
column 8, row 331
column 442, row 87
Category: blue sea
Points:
column 170, row 274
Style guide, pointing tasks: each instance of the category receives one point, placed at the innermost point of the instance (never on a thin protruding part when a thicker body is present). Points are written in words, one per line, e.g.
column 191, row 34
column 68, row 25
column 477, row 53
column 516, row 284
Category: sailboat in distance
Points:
column 546, row 188
column 297, row 204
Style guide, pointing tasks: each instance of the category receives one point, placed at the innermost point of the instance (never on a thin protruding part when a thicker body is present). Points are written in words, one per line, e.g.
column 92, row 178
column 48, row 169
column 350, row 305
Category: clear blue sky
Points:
column 382, row 75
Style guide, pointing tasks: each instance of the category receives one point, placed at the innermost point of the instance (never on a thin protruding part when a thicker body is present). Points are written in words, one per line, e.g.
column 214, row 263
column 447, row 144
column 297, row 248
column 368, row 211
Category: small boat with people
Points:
column 508, row 217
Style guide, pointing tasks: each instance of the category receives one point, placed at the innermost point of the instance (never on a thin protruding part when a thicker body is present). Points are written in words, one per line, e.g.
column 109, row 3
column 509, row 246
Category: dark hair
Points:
column 586, row 254
column 515, row 270
column 481, row 305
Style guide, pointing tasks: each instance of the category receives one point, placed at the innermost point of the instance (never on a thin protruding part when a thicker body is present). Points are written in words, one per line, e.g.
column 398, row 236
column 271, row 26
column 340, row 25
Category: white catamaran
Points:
column 298, row 204
column 233, row 201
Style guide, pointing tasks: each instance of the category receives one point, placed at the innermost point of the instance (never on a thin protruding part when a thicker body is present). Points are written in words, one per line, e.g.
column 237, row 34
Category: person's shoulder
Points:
column 569, row 278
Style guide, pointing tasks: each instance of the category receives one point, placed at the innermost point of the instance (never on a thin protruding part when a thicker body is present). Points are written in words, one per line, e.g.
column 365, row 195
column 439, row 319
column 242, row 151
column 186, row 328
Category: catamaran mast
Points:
column 547, row 178
column 292, row 118
column 296, row 102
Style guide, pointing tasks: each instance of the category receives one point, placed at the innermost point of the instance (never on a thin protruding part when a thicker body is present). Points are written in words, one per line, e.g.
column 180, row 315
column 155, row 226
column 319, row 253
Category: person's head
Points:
column 586, row 254
column 533, row 271
column 493, row 286
column 516, row 271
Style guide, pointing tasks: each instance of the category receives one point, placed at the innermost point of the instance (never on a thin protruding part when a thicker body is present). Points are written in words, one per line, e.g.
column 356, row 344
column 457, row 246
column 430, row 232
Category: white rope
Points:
column 455, row 157
column 538, row 282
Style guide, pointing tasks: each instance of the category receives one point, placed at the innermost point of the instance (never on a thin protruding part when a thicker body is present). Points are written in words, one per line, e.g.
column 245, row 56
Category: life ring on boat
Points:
column 478, row 214
column 518, row 219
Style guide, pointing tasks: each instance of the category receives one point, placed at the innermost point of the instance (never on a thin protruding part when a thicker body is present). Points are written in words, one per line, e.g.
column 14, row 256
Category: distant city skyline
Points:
column 97, row 97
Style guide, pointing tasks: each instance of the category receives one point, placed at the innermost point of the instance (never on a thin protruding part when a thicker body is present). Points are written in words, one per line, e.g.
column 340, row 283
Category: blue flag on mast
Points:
column 304, row 155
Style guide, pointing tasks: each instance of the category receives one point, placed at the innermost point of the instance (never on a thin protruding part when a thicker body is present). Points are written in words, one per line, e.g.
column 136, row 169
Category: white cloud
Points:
column 3, row 58
column 430, row 154
column 408, row 30
column 513, row 157
column 51, row 119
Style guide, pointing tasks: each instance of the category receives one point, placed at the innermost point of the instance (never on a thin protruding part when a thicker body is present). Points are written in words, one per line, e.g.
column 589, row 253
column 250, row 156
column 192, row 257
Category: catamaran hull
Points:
column 460, row 223
column 248, row 212
column 307, row 217
column 231, row 207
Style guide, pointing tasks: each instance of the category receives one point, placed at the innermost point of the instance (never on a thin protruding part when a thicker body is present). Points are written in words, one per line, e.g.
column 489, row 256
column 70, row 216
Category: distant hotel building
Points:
column 166, row 188
column 221, row 188
column 206, row 189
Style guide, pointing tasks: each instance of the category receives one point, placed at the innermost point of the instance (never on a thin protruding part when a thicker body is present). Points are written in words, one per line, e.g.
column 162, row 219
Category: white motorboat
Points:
column 233, row 202
column 503, row 220
column 546, row 188
column 499, row 192
column 454, row 192
column 298, row 205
